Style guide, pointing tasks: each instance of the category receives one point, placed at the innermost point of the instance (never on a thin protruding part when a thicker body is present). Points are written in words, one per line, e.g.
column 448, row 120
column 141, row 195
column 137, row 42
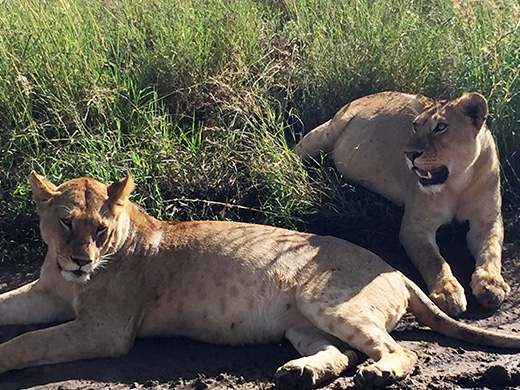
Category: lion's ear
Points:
column 475, row 106
column 119, row 191
column 42, row 189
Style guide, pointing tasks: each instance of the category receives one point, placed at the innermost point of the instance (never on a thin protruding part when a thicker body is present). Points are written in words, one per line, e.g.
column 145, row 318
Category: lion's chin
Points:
column 433, row 177
column 77, row 276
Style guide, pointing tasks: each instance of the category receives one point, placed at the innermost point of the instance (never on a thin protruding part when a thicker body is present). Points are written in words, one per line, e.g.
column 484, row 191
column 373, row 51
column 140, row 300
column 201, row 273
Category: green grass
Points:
column 201, row 100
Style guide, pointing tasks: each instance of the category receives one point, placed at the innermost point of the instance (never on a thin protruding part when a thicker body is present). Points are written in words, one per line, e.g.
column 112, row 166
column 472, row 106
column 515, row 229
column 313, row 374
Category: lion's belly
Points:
column 231, row 314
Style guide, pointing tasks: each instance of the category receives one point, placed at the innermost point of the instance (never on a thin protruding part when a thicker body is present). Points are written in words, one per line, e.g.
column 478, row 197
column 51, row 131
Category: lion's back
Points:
column 370, row 149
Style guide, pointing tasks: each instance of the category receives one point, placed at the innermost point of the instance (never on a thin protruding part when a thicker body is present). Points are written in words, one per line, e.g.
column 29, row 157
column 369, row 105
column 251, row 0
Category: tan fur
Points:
column 391, row 143
column 112, row 273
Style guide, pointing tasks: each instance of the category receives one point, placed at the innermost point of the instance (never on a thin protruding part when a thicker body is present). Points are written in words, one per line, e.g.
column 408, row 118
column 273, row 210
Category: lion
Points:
column 438, row 160
column 113, row 273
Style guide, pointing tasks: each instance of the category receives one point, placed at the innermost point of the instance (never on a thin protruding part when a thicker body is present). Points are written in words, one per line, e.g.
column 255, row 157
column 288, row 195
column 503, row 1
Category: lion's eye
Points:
column 66, row 223
column 440, row 128
column 102, row 229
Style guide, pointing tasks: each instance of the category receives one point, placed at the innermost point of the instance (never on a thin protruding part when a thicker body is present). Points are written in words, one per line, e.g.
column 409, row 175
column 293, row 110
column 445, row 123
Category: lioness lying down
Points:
column 114, row 273
column 439, row 161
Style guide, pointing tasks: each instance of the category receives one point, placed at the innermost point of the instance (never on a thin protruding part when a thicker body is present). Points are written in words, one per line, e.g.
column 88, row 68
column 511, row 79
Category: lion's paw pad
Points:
column 372, row 377
column 292, row 376
column 492, row 293
column 450, row 299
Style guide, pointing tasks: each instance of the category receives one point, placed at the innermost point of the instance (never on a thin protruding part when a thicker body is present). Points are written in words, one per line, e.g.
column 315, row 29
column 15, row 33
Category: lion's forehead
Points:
column 425, row 116
column 77, row 212
column 435, row 113
column 83, row 193
column 84, row 187
column 81, row 202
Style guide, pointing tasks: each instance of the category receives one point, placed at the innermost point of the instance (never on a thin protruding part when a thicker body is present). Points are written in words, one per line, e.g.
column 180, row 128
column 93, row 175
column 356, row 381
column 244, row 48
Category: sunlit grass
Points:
column 202, row 100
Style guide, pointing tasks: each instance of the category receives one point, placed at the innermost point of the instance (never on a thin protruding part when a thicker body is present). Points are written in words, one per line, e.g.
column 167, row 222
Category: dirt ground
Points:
column 179, row 363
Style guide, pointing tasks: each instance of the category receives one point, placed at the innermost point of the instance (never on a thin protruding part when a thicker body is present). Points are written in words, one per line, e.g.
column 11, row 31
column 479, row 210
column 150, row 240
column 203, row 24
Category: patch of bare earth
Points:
column 178, row 363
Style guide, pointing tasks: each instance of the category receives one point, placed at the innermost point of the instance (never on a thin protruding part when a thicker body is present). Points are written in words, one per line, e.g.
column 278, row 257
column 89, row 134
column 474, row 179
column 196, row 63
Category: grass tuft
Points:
column 202, row 100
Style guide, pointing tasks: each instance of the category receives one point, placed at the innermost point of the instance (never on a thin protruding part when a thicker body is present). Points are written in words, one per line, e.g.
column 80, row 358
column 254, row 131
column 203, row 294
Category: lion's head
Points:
column 444, row 143
column 82, row 221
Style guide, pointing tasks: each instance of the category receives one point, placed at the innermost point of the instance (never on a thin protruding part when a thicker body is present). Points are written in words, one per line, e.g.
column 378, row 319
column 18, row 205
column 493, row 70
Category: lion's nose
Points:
column 79, row 261
column 413, row 155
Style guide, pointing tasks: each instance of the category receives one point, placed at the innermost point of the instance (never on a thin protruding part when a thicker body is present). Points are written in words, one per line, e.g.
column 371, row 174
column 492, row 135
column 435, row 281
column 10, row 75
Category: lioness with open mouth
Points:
column 438, row 160
column 113, row 272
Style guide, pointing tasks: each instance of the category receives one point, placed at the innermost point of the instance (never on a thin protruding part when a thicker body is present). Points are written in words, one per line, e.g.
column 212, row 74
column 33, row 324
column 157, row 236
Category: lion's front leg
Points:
column 33, row 304
column 418, row 240
column 45, row 300
column 66, row 342
column 485, row 243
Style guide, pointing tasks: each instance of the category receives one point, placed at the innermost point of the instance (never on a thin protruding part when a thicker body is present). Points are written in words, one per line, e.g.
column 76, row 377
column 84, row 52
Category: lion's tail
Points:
column 322, row 138
column 429, row 314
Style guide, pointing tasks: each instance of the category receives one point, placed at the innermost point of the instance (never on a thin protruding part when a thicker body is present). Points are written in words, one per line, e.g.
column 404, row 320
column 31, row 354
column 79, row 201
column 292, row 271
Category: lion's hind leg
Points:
column 392, row 362
column 366, row 332
column 322, row 359
column 361, row 317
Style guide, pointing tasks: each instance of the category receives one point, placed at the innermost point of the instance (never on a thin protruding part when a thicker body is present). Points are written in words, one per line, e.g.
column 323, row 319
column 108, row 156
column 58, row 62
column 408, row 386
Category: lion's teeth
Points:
column 424, row 174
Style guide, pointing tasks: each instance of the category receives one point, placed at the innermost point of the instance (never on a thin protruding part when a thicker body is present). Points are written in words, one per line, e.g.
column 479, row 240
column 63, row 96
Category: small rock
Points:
column 496, row 375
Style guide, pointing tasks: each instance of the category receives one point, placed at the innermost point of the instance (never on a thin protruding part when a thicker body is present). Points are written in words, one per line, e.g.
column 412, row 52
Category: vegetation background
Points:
column 202, row 100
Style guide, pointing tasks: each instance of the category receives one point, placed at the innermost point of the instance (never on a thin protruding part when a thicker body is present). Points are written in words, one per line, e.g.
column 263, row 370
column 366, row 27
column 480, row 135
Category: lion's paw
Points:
column 372, row 377
column 450, row 297
column 294, row 376
column 489, row 290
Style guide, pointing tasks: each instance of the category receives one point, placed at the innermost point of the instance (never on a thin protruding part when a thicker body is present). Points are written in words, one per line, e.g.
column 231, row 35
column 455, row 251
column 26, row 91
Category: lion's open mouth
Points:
column 433, row 177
